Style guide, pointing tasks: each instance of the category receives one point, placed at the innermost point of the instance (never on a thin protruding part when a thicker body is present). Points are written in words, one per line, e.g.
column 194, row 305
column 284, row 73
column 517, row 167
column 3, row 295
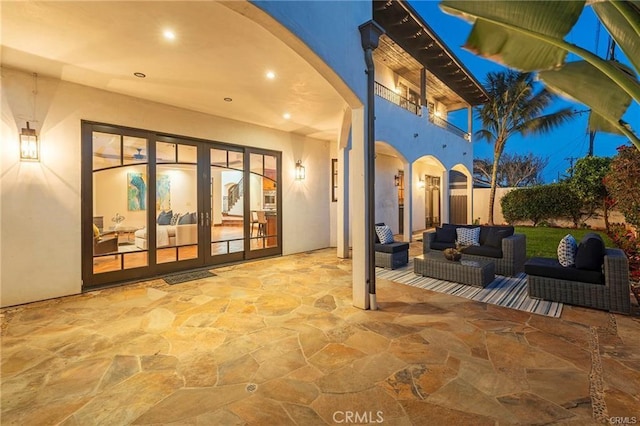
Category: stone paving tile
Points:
column 278, row 341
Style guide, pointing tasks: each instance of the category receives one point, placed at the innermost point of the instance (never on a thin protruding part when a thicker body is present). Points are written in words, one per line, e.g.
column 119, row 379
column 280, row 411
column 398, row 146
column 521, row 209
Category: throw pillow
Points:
column 185, row 219
column 590, row 254
column 495, row 236
column 96, row 232
column 446, row 235
column 567, row 250
column 384, row 234
column 164, row 218
column 468, row 236
column 378, row 238
column 174, row 219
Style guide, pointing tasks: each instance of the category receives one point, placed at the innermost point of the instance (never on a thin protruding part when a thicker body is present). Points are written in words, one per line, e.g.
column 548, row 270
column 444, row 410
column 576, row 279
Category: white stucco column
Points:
column 408, row 202
column 342, row 207
column 470, row 217
column 359, row 234
column 342, row 218
column 445, row 191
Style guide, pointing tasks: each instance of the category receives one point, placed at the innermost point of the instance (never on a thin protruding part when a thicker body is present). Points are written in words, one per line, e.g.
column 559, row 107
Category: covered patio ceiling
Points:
column 410, row 45
column 217, row 62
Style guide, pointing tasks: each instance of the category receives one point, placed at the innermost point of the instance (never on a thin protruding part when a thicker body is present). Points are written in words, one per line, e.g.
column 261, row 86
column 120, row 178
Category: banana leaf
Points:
column 598, row 123
column 586, row 84
column 622, row 21
column 496, row 34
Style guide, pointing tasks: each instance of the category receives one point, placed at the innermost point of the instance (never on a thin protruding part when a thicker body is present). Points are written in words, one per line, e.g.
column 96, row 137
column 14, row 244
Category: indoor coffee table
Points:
column 477, row 273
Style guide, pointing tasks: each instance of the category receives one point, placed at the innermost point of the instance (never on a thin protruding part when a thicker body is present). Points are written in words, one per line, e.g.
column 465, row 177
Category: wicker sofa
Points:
column 601, row 282
column 498, row 244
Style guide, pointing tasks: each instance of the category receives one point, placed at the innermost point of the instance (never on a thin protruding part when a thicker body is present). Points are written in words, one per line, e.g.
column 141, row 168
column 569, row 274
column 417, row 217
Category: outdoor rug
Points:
column 509, row 292
column 187, row 276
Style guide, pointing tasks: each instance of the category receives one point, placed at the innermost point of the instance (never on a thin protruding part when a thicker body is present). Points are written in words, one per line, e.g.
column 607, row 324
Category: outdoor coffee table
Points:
column 477, row 273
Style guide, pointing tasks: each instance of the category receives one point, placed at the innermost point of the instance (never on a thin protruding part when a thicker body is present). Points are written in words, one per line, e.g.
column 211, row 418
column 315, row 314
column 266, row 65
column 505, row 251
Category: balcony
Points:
column 440, row 122
column 394, row 98
column 404, row 103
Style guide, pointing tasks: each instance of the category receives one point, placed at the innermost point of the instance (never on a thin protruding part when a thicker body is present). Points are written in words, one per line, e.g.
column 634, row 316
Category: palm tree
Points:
column 514, row 108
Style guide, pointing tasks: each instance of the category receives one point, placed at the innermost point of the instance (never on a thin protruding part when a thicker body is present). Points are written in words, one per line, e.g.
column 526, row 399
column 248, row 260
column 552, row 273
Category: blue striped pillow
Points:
column 384, row 234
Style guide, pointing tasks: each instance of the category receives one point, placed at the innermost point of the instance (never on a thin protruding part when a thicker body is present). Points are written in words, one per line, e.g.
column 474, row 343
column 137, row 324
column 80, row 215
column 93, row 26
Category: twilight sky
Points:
column 568, row 141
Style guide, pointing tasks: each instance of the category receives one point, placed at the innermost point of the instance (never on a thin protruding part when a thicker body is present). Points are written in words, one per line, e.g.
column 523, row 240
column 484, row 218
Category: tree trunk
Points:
column 494, row 178
column 605, row 214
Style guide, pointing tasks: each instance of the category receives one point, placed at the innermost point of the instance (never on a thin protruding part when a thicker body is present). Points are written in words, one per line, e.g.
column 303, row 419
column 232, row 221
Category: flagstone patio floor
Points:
column 278, row 342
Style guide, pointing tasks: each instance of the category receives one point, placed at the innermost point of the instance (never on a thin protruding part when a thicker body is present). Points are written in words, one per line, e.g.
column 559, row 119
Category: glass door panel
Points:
column 119, row 176
column 263, row 202
column 226, row 202
column 176, row 203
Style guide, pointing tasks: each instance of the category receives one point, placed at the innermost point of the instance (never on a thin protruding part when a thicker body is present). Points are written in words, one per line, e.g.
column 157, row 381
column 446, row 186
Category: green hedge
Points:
column 541, row 203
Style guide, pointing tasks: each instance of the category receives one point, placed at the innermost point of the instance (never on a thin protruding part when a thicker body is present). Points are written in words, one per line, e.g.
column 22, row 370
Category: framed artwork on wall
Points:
column 136, row 192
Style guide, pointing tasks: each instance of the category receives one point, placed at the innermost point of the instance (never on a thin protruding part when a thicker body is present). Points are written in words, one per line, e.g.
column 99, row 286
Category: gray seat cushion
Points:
column 551, row 268
column 437, row 245
column 395, row 247
column 485, row 250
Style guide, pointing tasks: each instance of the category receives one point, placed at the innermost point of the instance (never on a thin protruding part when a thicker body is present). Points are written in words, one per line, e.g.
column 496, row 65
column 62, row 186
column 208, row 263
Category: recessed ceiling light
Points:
column 286, row 116
column 169, row 35
column 140, row 74
column 271, row 75
column 228, row 99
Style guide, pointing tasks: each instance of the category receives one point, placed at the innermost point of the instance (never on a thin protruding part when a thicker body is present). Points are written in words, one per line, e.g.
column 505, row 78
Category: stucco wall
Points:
column 40, row 210
column 398, row 127
column 330, row 30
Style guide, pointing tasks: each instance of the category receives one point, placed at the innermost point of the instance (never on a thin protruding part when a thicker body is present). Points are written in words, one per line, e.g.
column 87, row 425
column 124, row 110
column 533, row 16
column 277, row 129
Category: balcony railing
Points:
column 401, row 101
column 440, row 122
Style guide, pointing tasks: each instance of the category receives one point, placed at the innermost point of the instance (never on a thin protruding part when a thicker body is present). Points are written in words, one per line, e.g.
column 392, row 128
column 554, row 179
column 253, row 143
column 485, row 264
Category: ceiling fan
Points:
column 138, row 155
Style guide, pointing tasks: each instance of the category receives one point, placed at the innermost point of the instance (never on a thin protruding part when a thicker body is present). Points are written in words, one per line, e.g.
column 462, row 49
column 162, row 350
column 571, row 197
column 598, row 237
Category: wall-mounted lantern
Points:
column 300, row 171
column 29, row 147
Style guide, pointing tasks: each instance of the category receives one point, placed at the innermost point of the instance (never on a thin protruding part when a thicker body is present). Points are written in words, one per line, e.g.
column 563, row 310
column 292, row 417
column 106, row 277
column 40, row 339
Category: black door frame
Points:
column 204, row 259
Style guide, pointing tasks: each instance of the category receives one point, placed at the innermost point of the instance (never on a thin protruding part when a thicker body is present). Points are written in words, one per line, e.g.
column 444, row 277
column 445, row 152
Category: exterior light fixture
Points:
column 169, row 34
column 396, row 180
column 271, row 75
column 300, row 172
column 29, row 147
column 420, row 183
column 286, row 116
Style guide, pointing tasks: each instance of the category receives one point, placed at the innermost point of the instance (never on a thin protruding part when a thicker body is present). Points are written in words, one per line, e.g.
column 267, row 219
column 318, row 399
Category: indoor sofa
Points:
column 595, row 277
column 498, row 244
column 171, row 230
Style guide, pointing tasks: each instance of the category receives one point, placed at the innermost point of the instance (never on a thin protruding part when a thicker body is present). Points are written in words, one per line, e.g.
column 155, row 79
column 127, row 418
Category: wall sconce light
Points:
column 29, row 147
column 396, row 180
column 300, row 172
column 464, row 153
column 444, row 145
column 420, row 183
column 415, row 135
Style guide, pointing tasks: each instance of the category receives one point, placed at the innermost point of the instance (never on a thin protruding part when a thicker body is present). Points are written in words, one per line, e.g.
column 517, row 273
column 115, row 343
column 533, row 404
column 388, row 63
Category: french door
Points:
column 431, row 201
column 155, row 204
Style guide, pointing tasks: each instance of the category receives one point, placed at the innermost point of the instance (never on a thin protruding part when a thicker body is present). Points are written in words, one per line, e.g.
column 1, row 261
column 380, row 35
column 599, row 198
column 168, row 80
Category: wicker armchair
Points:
column 613, row 295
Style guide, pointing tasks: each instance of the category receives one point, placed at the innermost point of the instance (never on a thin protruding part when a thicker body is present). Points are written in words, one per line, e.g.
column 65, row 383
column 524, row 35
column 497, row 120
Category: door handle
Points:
column 206, row 215
column 201, row 219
